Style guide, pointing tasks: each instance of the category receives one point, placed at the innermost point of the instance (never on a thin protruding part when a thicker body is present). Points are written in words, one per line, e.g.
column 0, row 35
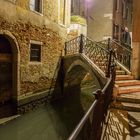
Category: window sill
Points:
column 62, row 25
column 38, row 13
column 35, row 63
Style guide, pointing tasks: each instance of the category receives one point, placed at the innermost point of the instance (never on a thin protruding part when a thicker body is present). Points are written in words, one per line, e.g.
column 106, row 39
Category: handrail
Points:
column 122, row 54
column 103, row 97
column 129, row 50
column 106, row 86
column 93, row 109
column 86, row 116
column 82, row 122
column 99, row 55
column 99, row 45
column 73, row 39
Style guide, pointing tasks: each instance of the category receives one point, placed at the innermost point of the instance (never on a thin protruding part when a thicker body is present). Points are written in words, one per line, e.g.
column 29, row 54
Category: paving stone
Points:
column 127, row 126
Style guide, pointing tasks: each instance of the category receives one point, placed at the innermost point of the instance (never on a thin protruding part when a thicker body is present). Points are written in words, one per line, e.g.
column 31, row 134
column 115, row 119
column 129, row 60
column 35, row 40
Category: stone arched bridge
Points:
column 75, row 67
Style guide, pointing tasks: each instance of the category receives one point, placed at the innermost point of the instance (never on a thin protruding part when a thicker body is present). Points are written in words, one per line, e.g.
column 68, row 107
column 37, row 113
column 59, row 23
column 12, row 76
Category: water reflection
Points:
column 54, row 121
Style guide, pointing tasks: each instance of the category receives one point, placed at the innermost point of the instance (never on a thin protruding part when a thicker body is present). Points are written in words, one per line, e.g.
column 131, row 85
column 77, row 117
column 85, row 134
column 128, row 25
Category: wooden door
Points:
column 5, row 70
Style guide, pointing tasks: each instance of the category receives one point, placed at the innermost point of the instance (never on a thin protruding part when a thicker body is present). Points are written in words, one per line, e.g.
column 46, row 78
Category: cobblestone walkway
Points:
column 122, row 125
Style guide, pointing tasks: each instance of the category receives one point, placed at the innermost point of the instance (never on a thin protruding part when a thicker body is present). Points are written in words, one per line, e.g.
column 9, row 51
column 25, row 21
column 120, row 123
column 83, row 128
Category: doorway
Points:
column 6, row 77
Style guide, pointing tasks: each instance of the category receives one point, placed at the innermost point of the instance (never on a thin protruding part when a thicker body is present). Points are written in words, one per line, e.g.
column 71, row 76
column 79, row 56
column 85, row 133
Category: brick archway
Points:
column 15, row 63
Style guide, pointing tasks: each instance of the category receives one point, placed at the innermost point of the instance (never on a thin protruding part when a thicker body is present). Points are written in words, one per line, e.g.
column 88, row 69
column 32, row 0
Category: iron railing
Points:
column 72, row 46
column 105, row 43
column 123, row 54
column 91, row 125
column 101, row 56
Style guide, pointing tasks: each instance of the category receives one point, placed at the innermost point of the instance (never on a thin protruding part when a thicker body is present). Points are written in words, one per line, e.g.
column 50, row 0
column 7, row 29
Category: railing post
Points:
column 109, row 64
column 81, row 43
column 113, row 71
column 98, row 116
column 65, row 49
column 109, row 41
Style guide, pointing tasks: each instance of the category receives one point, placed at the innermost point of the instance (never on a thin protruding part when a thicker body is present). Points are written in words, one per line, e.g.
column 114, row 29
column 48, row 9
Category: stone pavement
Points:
column 122, row 125
column 7, row 119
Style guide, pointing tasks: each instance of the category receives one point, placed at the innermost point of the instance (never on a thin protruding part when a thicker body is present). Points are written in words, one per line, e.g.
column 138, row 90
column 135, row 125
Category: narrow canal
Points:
column 54, row 121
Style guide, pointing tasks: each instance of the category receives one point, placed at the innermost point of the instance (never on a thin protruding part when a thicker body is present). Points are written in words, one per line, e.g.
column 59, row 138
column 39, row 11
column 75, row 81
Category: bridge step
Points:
column 126, row 106
column 120, row 72
column 128, row 92
column 130, row 98
column 124, row 83
column 128, row 89
column 124, row 77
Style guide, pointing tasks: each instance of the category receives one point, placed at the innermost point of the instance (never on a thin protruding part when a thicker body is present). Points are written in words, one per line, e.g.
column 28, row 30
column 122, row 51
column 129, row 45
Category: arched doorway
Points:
column 9, row 73
column 6, row 77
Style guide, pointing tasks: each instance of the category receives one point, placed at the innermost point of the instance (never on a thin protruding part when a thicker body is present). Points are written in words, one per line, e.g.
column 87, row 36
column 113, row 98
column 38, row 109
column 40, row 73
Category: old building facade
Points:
column 32, row 34
column 105, row 18
column 99, row 18
column 78, row 7
column 136, row 39
column 122, row 20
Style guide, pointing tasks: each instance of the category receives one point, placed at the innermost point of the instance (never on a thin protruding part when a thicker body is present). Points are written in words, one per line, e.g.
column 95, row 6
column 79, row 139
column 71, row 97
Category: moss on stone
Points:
column 78, row 19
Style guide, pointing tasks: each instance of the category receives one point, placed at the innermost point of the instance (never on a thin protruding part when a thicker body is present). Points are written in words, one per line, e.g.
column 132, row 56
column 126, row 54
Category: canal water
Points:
column 54, row 121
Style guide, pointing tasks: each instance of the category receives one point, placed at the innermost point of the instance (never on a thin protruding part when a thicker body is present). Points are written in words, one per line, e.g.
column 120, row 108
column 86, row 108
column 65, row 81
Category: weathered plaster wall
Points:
column 27, row 25
column 19, row 11
column 78, row 7
column 136, row 39
column 35, row 75
column 100, row 19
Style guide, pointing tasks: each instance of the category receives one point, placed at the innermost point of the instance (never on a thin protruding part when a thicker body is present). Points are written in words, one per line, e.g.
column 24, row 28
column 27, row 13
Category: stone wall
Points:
column 26, row 25
column 49, row 8
column 20, row 11
column 35, row 75
column 79, row 7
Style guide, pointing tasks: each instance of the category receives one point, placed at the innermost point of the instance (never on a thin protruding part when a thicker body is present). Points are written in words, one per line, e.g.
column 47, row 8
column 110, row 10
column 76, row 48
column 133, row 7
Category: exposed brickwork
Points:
column 37, row 75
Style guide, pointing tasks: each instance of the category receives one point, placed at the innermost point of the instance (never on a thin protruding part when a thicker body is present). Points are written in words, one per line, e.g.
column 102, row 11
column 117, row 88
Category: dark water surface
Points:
column 53, row 121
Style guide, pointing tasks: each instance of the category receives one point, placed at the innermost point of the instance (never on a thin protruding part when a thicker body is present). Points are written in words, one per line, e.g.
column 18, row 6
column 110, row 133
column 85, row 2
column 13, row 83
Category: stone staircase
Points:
column 126, row 92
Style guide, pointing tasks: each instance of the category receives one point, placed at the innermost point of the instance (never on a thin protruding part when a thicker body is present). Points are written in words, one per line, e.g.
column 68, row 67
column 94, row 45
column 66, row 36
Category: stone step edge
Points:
column 8, row 119
column 127, row 81
column 118, row 105
column 128, row 89
column 124, row 77
column 127, row 99
column 117, row 90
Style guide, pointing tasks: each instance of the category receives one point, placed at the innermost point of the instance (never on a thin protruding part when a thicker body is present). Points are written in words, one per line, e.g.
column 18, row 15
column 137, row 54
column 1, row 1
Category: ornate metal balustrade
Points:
column 123, row 54
column 101, row 56
column 105, row 43
column 91, row 125
column 72, row 46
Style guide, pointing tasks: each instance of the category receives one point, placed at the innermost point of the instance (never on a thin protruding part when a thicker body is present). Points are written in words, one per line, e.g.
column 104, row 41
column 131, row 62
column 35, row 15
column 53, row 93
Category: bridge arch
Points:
column 77, row 70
